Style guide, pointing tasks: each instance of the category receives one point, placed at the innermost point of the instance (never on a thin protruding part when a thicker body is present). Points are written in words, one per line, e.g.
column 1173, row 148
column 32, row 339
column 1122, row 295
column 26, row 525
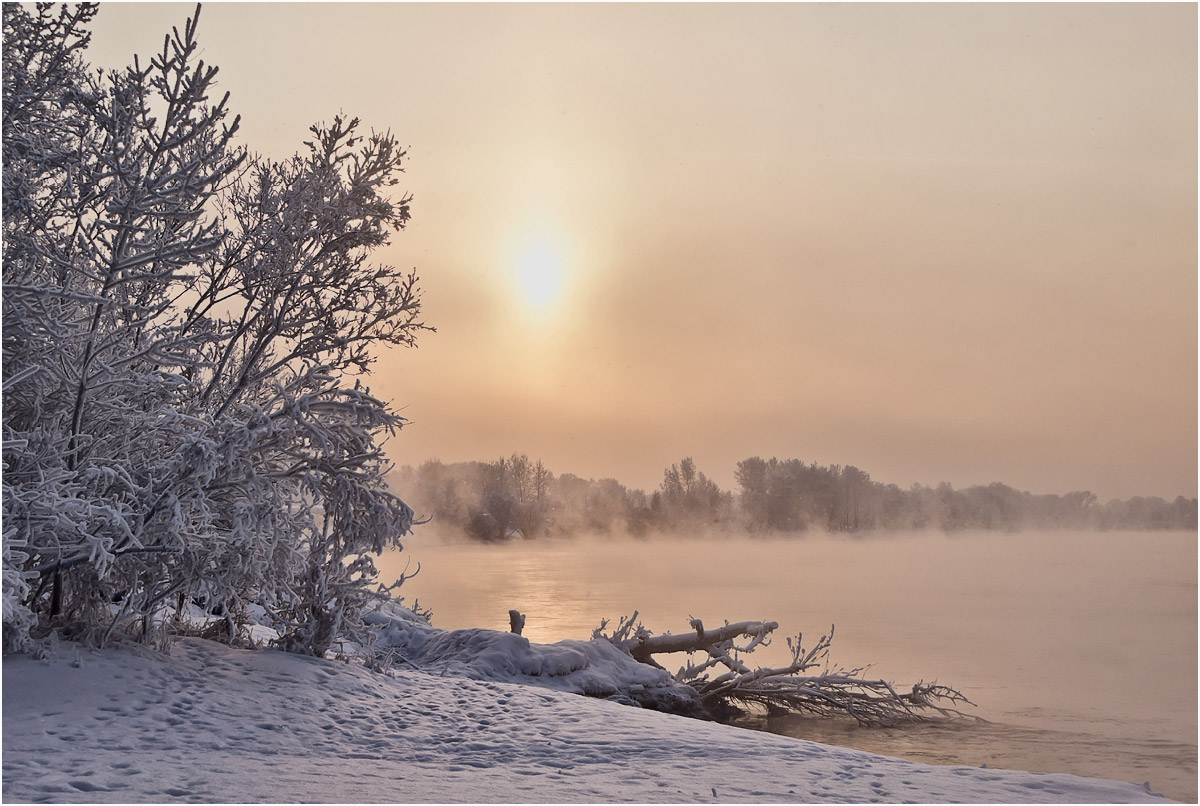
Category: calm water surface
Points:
column 1080, row 648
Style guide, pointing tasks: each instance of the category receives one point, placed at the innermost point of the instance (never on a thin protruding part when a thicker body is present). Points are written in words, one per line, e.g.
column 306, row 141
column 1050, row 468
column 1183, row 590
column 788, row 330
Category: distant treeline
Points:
column 514, row 496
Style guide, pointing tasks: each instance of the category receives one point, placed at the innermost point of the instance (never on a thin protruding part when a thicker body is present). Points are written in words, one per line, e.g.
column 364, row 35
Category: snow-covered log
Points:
column 594, row 668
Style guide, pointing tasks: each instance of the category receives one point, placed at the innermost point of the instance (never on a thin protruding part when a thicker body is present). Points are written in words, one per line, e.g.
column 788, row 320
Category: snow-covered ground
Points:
column 209, row 723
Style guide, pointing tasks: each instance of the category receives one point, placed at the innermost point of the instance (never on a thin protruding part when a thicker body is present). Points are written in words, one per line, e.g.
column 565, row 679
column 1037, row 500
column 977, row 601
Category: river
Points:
column 1078, row 647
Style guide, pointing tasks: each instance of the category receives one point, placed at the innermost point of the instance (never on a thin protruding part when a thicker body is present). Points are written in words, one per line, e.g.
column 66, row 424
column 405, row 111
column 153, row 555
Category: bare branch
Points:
column 785, row 689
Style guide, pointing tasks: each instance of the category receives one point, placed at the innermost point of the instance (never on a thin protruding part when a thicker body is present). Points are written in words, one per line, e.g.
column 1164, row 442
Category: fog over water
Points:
column 1079, row 647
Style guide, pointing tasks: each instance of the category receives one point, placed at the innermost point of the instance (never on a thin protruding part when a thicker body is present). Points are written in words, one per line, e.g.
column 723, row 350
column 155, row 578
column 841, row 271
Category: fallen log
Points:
column 786, row 689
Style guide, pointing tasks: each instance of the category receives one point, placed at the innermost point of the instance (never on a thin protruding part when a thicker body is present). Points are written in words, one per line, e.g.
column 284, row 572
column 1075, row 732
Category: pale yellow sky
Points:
column 939, row 242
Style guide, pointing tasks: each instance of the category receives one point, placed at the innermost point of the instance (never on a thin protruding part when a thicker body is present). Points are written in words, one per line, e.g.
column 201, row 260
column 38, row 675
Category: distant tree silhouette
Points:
column 784, row 496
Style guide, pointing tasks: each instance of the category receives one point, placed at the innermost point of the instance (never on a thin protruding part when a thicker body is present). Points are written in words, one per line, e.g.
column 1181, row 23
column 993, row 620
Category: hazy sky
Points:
column 938, row 242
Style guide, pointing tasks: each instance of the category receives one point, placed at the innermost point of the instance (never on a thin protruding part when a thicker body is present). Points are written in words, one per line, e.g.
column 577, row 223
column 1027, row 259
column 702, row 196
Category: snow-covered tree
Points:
column 184, row 328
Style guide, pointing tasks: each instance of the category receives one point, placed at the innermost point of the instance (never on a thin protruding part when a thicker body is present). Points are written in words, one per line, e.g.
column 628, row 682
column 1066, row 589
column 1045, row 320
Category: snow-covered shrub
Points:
column 179, row 321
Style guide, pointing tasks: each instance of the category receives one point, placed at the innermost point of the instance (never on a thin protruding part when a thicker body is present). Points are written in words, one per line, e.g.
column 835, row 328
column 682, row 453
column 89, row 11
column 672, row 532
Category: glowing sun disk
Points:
column 540, row 274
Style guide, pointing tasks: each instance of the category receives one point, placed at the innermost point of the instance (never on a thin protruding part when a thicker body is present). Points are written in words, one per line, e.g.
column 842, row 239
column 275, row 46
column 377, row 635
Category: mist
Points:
column 516, row 497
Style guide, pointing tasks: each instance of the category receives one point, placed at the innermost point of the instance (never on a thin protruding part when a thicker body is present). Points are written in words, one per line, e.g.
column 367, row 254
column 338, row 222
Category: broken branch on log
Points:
column 516, row 621
column 644, row 644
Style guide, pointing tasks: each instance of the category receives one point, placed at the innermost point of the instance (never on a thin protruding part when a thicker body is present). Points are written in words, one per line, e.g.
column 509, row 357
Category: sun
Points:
column 540, row 275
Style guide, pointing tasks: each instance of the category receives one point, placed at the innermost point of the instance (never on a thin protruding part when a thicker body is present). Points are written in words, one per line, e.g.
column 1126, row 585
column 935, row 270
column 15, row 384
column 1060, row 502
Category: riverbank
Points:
column 1039, row 629
column 209, row 723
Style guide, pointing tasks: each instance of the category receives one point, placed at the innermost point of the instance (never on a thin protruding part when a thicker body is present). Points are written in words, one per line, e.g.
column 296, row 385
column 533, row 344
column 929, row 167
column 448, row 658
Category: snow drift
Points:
column 210, row 723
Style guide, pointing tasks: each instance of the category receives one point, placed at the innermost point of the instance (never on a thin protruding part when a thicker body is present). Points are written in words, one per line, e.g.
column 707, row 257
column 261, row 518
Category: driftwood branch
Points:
column 643, row 645
column 788, row 689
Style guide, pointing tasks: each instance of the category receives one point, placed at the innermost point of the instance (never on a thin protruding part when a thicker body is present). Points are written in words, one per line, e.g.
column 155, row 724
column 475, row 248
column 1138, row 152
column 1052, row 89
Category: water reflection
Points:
column 1045, row 631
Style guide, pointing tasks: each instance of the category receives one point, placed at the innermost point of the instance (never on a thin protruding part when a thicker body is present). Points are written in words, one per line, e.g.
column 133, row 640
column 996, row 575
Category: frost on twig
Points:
column 725, row 683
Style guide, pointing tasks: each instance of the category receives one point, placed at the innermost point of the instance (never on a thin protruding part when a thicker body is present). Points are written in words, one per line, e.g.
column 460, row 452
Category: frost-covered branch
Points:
column 180, row 319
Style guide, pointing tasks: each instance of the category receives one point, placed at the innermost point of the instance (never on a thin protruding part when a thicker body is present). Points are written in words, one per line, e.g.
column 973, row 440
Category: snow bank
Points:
column 215, row 724
column 590, row 668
